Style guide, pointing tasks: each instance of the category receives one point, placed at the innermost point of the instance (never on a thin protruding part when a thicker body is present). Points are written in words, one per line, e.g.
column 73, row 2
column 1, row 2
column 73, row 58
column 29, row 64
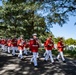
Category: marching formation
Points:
column 21, row 45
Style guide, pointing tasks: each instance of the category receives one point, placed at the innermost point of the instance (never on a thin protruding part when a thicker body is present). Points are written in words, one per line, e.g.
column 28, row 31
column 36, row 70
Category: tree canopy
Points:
column 33, row 16
column 70, row 41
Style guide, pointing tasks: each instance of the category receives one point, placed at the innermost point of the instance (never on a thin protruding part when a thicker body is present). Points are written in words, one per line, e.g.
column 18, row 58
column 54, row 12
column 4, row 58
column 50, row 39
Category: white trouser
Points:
column 13, row 50
column 25, row 51
column 45, row 53
column 16, row 48
column 20, row 54
column 49, row 54
column 3, row 47
column 34, row 58
column 61, row 54
column 9, row 48
column 0, row 45
column 37, row 55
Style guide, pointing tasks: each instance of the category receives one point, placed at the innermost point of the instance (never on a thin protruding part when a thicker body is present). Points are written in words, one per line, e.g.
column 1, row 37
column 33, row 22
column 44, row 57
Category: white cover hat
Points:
column 34, row 34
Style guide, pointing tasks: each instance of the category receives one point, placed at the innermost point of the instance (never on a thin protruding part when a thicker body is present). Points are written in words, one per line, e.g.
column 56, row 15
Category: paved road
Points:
column 10, row 65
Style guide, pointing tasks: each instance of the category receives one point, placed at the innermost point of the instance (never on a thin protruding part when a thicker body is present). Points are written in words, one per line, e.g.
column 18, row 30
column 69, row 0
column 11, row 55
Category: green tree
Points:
column 57, row 39
column 70, row 41
column 58, row 11
column 22, row 17
column 45, row 35
column 19, row 17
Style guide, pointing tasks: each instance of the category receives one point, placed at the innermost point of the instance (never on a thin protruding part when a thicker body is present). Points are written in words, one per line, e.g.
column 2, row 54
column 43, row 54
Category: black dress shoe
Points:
column 53, row 63
column 13, row 55
column 45, row 60
column 32, row 63
column 64, row 61
column 22, row 59
column 9, row 53
column 36, row 66
column 26, row 54
column 56, row 59
column 38, row 58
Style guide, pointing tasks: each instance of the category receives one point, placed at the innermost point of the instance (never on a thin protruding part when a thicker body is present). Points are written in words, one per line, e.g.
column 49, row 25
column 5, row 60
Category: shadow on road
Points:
column 10, row 65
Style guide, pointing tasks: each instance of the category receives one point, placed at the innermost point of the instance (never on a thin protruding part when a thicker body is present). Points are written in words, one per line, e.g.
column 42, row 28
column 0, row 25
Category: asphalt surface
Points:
column 12, row 65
